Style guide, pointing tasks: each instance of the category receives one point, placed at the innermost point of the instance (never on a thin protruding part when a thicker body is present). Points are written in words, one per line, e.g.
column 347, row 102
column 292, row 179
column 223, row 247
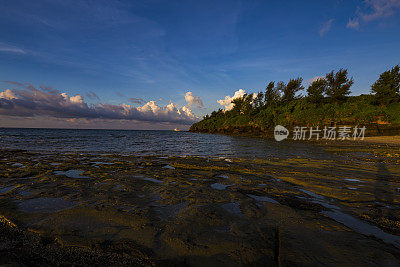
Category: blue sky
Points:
column 162, row 49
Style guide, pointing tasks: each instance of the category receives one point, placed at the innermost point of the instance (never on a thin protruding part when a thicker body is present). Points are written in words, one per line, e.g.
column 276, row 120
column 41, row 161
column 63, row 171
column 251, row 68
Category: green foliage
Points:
column 243, row 105
column 387, row 87
column 258, row 101
column 338, row 85
column 280, row 105
column 271, row 96
column 393, row 112
column 290, row 90
column 316, row 90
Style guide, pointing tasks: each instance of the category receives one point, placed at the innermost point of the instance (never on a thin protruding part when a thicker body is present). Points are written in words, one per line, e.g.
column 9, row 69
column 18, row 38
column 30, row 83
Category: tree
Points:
column 271, row 95
column 247, row 105
column 242, row 105
column 387, row 87
column 338, row 85
column 238, row 104
column 316, row 90
column 258, row 101
column 290, row 90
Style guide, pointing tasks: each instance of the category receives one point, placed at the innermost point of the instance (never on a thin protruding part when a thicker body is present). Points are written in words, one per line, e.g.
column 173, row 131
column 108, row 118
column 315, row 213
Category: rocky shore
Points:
column 91, row 209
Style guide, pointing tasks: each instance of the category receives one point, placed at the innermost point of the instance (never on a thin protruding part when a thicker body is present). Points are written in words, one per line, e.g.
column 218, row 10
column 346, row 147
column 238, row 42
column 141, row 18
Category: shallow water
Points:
column 263, row 199
column 148, row 179
column 166, row 211
column 352, row 180
column 45, row 204
column 102, row 163
column 353, row 223
column 6, row 189
column 72, row 174
column 169, row 167
column 24, row 193
column 232, row 207
column 219, row 186
column 18, row 165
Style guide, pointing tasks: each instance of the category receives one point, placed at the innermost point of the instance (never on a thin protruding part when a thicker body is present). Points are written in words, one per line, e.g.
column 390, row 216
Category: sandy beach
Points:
column 393, row 140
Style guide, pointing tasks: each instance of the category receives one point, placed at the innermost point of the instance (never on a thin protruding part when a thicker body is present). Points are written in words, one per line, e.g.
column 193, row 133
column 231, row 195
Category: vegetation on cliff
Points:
column 326, row 102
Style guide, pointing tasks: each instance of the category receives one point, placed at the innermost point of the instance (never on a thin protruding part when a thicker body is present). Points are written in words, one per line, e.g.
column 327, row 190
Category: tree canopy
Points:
column 316, row 90
column 338, row 84
column 387, row 87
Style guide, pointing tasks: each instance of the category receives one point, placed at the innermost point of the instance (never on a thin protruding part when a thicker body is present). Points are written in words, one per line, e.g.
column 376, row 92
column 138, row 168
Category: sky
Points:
column 165, row 64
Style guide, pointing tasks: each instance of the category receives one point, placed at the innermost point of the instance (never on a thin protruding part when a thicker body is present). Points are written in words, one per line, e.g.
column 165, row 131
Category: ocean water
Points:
column 164, row 143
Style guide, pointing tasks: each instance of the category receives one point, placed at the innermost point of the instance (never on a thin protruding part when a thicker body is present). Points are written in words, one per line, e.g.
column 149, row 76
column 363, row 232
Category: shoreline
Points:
column 384, row 139
column 393, row 140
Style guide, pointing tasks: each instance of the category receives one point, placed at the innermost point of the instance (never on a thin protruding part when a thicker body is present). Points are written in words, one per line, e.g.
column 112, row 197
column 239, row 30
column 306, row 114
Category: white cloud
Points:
column 380, row 9
column 150, row 106
column 193, row 100
column 325, row 27
column 186, row 111
column 73, row 99
column 8, row 94
column 227, row 102
column 169, row 111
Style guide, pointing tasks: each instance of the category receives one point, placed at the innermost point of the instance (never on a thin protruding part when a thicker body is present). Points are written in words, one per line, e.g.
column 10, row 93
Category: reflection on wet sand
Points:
column 383, row 190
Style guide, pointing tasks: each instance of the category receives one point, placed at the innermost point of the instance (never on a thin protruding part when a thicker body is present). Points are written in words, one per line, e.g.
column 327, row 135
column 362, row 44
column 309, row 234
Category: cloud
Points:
column 379, row 9
column 30, row 101
column 82, row 123
column 193, row 100
column 326, row 27
column 7, row 94
column 227, row 102
column 78, row 99
column 11, row 49
column 310, row 81
column 92, row 95
column 136, row 100
column 353, row 24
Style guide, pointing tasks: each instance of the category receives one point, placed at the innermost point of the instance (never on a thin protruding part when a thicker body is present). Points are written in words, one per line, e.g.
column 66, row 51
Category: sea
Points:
column 154, row 142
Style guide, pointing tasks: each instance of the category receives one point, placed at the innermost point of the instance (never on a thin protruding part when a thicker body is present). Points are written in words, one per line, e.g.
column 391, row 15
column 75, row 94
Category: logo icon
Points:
column 280, row 133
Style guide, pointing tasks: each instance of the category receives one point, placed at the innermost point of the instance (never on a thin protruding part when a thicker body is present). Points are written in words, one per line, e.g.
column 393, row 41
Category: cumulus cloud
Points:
column 30, row 101
column 7, row 94
column 326, row 27
column 73, row 99
column 193, row 100
column 227, row 102
column 379, row 9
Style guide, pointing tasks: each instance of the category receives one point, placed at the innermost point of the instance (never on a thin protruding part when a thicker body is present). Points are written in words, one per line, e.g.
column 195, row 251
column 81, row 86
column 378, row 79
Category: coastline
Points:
column 380, row 139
